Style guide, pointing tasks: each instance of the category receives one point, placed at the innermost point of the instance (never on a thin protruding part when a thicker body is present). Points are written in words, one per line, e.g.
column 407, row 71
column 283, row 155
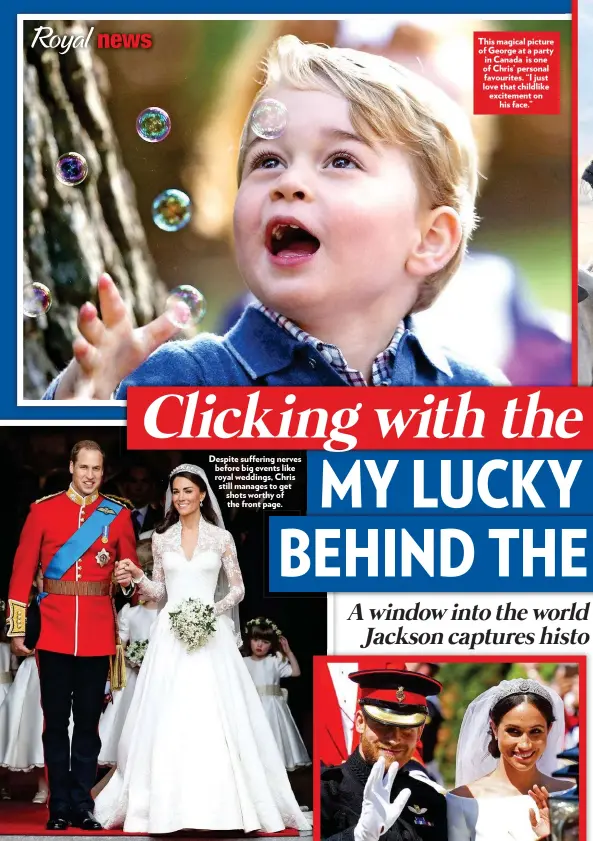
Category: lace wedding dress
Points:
column 196, row 750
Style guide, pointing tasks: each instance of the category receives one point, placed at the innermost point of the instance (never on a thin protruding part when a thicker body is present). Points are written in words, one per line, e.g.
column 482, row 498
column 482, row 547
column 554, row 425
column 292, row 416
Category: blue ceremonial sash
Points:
column 82, row 538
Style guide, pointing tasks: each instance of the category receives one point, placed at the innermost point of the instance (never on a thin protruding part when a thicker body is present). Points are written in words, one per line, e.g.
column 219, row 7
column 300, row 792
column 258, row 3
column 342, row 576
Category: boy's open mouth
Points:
column 288, row 237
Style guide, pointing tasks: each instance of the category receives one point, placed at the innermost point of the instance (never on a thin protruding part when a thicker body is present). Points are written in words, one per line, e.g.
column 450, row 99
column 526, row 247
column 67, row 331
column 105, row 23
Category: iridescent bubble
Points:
column 153, row 124
column 171, row 210
column 269, row 119
column 71, row 169
column 194, row 301
column 36, row 299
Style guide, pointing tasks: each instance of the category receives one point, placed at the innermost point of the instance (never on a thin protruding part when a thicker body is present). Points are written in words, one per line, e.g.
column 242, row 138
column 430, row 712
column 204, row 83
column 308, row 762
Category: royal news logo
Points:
column 45, row 36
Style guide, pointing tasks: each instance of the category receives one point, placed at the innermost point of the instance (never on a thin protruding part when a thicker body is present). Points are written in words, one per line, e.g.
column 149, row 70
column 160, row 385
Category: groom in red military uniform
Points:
column 75, row 537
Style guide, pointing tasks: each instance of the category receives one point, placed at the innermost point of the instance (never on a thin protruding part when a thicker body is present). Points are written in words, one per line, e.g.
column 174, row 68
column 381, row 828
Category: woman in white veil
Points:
column 214, row 515
column 507, row 749
column 197, row 751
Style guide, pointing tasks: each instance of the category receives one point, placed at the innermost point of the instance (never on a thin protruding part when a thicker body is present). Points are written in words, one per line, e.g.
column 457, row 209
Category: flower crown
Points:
column 265, row 624
column 519, row 686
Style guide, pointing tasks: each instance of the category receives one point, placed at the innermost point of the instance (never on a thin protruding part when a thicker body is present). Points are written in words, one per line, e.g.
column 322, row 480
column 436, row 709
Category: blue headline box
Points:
column 493, row 482
column 430, row 554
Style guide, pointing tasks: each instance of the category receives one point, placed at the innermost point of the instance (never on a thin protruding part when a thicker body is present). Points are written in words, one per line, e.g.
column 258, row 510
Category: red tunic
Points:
column 329, row 732
column 79, row 625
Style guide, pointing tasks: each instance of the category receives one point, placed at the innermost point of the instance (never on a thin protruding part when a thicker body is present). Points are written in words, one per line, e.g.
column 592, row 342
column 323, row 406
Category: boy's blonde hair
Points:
column 396, row 106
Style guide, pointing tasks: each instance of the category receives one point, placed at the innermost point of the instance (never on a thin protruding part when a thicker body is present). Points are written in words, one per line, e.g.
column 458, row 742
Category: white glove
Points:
column 378, row 814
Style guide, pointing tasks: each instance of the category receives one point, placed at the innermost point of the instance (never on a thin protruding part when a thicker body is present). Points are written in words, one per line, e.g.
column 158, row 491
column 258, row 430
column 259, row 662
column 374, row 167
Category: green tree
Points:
column 72, row 234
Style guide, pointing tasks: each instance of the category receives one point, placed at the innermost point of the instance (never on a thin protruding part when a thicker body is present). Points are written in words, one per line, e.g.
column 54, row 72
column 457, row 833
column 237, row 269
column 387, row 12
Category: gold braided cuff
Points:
column 18, row 618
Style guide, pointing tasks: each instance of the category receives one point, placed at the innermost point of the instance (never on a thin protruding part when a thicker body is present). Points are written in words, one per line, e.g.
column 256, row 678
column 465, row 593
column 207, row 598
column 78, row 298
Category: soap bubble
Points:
column 171, row 210
column 269, row 119
column 36, row 299
column 153, row 124
column 71, row 169
column 194, row 301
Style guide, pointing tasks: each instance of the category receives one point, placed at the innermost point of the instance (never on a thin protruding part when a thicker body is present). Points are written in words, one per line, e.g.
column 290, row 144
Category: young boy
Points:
column 352, row 218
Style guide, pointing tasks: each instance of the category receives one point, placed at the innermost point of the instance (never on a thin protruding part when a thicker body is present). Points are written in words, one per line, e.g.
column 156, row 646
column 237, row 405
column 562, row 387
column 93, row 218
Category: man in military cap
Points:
column 336, row 737
column 76, row 537
column 380, row 791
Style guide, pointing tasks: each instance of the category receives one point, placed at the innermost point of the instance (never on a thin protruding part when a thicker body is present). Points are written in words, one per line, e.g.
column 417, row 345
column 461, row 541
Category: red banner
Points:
column 341, row 419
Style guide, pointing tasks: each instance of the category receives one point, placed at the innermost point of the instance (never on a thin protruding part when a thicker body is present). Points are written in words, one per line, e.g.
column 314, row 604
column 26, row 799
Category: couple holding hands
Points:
column 194, row 709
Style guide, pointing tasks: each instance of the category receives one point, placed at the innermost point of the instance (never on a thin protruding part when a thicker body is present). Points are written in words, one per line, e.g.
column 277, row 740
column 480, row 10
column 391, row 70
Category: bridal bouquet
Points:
column 135, row 653
column 193, row 623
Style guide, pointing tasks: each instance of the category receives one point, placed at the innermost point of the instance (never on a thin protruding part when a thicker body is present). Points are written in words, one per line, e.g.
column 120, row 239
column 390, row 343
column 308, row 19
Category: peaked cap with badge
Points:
column 395, row 697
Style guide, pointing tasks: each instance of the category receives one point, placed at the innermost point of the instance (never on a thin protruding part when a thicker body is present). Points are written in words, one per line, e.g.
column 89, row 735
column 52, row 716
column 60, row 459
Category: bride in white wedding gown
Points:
column 196, row 750
column 507, row 749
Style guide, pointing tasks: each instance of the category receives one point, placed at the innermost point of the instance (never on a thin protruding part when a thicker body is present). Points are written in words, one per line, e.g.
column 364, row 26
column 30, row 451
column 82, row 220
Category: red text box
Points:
column 516, row 72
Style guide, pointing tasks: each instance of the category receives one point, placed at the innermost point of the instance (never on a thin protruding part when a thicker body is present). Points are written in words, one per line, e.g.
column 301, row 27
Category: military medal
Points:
column 105, row 535
column 102, row 557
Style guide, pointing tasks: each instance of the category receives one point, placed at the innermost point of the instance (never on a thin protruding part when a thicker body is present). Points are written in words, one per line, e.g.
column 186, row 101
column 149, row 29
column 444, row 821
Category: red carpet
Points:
column 18, row 818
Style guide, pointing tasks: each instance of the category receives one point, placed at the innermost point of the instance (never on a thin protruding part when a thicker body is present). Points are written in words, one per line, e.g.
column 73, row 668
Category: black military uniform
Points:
column 397, row 699
column 342, row 786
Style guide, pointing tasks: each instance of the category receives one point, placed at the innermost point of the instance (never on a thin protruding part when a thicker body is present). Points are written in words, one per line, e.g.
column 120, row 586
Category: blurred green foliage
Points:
column 542, row 257
column 564, row 27
column 217, row 40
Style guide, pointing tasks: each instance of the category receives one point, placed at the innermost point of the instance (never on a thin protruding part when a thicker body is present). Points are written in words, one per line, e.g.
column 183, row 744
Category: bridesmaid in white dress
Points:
column 21, row 718
column 5, row 670
column 7, row 666
column 507, row 748
column 6, row 658
column 8, row 662
column 269, row 660
column 196, row 751
column 135, row 624
column 21, row 726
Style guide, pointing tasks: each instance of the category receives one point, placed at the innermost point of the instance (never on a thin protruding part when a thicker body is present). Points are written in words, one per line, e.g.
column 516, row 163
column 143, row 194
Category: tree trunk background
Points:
column 73, row 234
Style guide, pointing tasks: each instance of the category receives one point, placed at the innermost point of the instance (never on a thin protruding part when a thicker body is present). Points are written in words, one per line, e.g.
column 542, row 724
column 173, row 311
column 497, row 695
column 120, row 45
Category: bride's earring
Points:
column 201, row 503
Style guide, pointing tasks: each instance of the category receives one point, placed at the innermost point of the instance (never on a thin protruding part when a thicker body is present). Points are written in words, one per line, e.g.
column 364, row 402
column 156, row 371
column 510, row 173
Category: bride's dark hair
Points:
column 508, row 703
column 172, row 515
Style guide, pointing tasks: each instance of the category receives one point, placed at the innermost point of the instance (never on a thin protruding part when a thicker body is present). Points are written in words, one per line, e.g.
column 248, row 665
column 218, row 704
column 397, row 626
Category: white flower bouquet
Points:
column 135, row 653
column 193, row 623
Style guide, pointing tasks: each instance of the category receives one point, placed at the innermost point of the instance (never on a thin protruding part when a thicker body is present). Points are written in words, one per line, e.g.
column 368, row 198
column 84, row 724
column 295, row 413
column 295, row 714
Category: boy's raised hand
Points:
column 110, row 348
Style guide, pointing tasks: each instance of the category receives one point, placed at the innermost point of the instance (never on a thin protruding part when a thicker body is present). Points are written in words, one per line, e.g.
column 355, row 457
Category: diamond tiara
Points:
column 520, row 686
column 186, row 468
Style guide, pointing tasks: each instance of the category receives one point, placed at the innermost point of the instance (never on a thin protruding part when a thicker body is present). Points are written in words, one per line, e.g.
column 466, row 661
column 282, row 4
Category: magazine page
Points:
column 238, row 600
